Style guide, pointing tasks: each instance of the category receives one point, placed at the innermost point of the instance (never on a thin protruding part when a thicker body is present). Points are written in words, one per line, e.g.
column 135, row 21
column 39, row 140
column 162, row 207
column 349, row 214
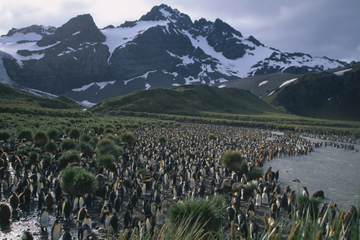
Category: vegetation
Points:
column 161, row 139
column 235, row 161
column 4, row 135
column 255, row 172
column 106, row 161
column 209, row 214
column 51, row 146
column 212, row 137
column 69, row 157
column 68, row 144
column 76, row 180
column 74, row 133
column 128, row 137
column 33, row 158
column 108, row 147
column 40, row 138
column 25, row 134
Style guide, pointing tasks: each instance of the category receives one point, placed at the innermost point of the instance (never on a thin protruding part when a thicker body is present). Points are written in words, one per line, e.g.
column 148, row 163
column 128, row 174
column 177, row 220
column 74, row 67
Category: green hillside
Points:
column 189, row 100
column 322, row 95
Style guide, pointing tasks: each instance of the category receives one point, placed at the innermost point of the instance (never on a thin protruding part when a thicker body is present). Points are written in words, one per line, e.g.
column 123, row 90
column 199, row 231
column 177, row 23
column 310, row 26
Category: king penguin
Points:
column 56, row 230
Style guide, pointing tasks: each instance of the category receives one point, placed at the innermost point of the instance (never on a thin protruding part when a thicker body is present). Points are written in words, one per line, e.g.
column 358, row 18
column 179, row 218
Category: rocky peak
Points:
column 79, row 29
column 164, row 12
column 41, row 30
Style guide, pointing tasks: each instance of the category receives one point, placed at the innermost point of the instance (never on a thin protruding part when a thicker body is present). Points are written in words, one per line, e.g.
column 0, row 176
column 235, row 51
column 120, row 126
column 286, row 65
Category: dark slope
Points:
column 322, row 95
column 187, row 100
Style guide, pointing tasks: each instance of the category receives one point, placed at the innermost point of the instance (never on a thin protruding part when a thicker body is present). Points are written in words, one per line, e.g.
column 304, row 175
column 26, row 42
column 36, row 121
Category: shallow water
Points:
column 333, row 170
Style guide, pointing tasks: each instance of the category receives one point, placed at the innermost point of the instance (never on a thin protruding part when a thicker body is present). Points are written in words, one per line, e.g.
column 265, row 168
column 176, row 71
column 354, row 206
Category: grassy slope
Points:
column 188, row 100
column 11, row 97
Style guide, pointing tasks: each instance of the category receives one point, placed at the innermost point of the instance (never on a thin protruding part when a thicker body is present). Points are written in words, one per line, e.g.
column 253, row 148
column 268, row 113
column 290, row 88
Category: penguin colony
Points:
column 186, row 167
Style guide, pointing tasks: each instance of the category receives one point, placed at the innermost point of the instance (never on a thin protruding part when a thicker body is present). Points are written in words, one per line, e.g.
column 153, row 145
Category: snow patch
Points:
column 339, row 73
column 271, row 93
column 222, row 85
column 98, row 84
column 142, row 76
column 176, row 85
column 262, row 83
column 147, row 86
column 287, row 82
column 118, row 37
column 86, row 103
column 76, row 33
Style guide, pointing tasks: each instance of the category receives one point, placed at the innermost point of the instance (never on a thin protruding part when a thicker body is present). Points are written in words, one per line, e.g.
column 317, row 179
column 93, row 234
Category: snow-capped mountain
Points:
column 164, row 48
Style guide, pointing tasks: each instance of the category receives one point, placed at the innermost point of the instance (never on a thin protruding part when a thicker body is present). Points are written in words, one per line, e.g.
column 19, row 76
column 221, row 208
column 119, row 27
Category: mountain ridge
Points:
column 163, row 43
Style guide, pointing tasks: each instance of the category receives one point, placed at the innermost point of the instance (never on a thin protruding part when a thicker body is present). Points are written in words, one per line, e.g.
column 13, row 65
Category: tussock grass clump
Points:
column 4, row 135
column 74, row 133
column 207, row 216
column 51, row 146
column 25, row 133
column 68, row 157
column 108, row 147
column 161, row 139
column 106, row 161
column 128, row 137
column 67, row 145
column 212, row 137
column 53, row 133
column 76, row 180
column 85, row 138
column 235, row 161
column 40, row 138
column 256, row 172
column 85, row 148
column 33, row 158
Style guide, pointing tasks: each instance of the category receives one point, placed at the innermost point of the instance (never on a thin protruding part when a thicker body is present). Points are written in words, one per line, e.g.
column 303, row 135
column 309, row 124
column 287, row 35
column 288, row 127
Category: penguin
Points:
column 67, row 209
column 49, row 201
column 44, row 220
column 27, row 235
column 58, row 192
column 87, row 221
column 159, row 216
column 114, row 222
column 56, row 230
column 14, row 201
column 305, row 192
column 251, row 215
column 81, row 202
column 258, row 200
column 75, row 203
column 81, row 215
column 253, row 230
column 118, row 204
column 41, row 199
column 83, row 231
column 164, row 204
column 127, row 218
column 243, row 194
column 231, row 213
column 27, row 196
column 5, row 213
column 107, row 221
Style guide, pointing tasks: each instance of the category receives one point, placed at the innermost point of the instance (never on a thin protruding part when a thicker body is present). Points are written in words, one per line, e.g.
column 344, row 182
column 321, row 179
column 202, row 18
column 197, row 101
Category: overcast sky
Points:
column 319, row 27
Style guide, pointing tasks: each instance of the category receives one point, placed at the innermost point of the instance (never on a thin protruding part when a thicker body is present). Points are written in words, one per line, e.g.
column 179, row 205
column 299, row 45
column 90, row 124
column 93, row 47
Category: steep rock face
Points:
column 79, row 29
column 138, row 58
column 323, row 95
column 40, row 30
column 68, row 62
